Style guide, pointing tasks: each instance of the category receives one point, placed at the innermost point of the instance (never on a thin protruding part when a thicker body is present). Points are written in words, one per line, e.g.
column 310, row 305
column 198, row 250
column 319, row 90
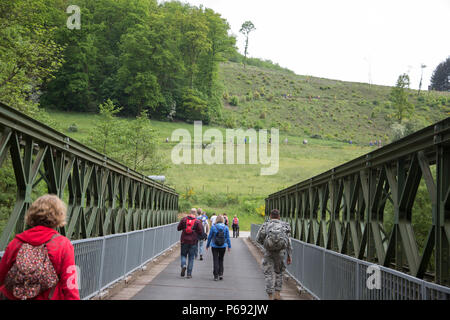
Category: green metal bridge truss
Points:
column 104, row 196
column 342, row 209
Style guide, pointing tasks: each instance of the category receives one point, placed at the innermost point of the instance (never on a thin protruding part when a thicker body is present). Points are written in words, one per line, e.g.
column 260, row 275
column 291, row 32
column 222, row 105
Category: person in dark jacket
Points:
column 218, row 249
column 235, row 227
column 44, row 216
column 192, row 229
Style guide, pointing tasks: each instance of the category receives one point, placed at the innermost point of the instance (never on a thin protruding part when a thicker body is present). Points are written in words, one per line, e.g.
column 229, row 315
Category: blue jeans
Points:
column 188, row 251
column 201, row 249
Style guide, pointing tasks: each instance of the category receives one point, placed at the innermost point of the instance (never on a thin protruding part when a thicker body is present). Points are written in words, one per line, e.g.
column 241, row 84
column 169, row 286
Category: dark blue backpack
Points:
column 219, row 239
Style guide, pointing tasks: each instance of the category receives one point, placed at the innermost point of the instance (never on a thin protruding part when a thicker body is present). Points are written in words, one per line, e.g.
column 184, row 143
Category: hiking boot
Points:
column 183, row 270
column 277, row 296
column 270, row 296
column 201, row 257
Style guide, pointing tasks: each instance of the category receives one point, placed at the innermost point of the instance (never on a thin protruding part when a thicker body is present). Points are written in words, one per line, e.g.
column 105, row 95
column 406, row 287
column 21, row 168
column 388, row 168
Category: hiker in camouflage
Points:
column 274, row 235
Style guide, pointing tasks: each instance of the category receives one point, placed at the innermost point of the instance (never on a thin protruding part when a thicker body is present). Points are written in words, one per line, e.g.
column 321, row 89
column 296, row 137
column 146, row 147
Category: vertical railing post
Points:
column 101, row 265
column 323, row 274
column 142, row 247
column 303, row 263
column 154, row 242
column 424, row 291
column 126, row 257
column 357, row 282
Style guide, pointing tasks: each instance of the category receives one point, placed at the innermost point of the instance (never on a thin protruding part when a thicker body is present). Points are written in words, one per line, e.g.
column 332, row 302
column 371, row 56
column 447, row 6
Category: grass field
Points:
column 239, row 188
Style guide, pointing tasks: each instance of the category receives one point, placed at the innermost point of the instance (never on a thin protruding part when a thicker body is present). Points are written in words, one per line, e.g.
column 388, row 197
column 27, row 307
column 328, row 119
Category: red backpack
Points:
column 189, row 224
column 32, row 273
column 235, row 221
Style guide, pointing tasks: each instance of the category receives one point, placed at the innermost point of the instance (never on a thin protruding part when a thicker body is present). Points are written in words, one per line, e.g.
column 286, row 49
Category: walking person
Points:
column 213, row 218
column 204, row 221
column 274, row 235
column 225, row 219
column 218, row 239
column 191, row 229
column 235, row 227
column 47, row 256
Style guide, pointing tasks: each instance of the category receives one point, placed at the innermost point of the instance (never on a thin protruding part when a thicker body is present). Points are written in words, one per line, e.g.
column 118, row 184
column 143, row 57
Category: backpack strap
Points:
column 53, row 237
column 52, row 290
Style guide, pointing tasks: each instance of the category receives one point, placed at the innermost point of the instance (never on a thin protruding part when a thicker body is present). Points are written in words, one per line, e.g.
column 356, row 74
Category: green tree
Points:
column 142, row 147
column 107, row 134
column 28, row 54
column 246, row 28
column 399, row 98
column 440, row 80
column 195, row 41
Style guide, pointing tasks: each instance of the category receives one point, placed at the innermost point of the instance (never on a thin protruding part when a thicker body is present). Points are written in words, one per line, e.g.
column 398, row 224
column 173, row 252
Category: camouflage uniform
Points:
column 274, row 261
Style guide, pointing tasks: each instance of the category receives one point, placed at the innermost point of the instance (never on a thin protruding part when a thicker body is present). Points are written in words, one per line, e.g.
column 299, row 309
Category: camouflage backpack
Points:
column 276, row 237
column 32, row 273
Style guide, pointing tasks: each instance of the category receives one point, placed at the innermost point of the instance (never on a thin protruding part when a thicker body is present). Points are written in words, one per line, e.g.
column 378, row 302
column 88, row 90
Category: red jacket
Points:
column 61, row 254
column 197, row 230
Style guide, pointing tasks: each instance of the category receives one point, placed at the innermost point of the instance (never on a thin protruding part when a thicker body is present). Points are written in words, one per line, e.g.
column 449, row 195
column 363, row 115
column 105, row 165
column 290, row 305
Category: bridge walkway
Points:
column 243, row 278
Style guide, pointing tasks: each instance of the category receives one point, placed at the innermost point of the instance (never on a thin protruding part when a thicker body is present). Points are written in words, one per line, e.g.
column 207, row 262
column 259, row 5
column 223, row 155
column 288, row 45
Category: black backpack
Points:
column 219, row 239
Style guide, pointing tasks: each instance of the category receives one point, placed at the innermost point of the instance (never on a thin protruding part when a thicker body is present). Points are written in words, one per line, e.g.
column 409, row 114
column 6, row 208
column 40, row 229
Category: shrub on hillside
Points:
column 230, row 121
column 398, row 131
column 195, row 106
column 73, row 128
column 234, row 101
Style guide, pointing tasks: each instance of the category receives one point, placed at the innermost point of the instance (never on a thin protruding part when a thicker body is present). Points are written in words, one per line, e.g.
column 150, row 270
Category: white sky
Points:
column 344, row 39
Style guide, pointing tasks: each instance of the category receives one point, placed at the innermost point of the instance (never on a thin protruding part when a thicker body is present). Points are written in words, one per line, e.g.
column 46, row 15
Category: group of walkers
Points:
column 196, row 230
column 274, row 236
column 39, row 263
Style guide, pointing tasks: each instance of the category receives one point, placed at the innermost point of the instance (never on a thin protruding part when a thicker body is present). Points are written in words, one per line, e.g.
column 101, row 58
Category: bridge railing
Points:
column 105, row 260
column 367, row 208
column 329, row 275
column 104, row 196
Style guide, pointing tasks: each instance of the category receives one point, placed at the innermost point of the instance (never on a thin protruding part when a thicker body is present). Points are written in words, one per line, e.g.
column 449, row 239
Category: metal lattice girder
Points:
column 104, row 196
column 350, row 201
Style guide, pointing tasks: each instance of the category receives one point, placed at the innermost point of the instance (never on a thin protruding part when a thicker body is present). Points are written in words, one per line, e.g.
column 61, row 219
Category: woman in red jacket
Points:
column 44, row 215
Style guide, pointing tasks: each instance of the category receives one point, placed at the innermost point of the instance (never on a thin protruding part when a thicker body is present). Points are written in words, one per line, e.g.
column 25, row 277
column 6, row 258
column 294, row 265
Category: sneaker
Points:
column 183, row 270
column 201, row 257
column 220, row 277
column 216, row 278
column 189, row 276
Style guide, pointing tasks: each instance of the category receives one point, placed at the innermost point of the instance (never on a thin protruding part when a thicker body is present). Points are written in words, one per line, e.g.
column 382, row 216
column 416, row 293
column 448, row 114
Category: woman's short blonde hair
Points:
column 48, row 211
column 219, row 219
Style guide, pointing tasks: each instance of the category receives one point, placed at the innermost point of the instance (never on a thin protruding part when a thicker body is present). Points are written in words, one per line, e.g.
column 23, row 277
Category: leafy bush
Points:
column 73, row 128
column 398, row 131
column 258, row 125
column 234, row 101
column 194, row 106
column 230, row 121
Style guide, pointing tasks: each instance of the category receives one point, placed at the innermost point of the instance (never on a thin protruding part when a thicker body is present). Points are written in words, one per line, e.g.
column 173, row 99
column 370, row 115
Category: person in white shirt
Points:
column 213, row 219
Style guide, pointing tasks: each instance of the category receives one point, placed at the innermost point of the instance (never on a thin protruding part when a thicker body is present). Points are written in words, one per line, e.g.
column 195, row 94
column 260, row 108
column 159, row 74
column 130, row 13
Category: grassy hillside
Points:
column 305, row 105
column 235, row 189
column 337, row 111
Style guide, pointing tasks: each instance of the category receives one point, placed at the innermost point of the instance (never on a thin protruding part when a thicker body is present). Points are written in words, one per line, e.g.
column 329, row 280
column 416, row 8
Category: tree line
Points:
column 144, row 56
